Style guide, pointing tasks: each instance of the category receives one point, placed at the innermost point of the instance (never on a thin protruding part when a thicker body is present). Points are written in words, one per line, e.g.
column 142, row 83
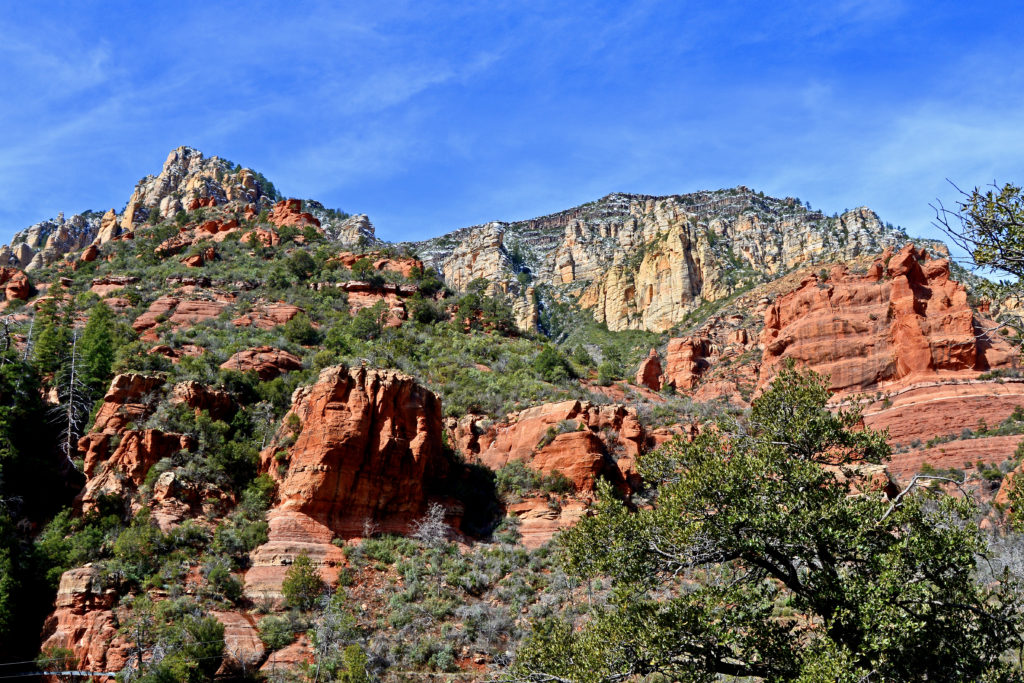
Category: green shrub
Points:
column 276, row 632
column 302, row 586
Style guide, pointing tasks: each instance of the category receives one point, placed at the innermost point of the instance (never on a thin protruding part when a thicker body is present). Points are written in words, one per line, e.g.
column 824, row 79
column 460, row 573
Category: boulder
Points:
column 265, row 361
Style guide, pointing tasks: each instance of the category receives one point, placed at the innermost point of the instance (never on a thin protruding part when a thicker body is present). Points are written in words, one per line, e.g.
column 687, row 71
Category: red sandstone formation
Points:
column 268, row 316
column 686, row 361
column 201, row 202
column 105, row 285
column 541, row 518
column 89, row 254
column 15, row 283
column 126, row 469
column 243, row 649
column 198, row 397
column 289, row 212
column 266, row 361
column 291, row 534
column 177, row 312
column 84, row 622
column 876, row 331
column 581, row 454
column 200, row 259
column 128, row 399
column 366, row 440
column 267, row 238
column 402, row 265
column 649, row 374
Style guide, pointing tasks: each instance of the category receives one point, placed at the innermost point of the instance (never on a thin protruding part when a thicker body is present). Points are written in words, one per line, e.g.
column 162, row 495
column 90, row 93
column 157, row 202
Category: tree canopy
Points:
column 772, row 552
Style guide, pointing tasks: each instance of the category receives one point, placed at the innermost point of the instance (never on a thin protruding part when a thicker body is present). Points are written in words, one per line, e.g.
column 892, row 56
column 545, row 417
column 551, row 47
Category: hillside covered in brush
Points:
column 245, row 438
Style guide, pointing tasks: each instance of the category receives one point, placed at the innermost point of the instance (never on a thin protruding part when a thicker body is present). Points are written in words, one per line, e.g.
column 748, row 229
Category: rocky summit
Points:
column 248, row 438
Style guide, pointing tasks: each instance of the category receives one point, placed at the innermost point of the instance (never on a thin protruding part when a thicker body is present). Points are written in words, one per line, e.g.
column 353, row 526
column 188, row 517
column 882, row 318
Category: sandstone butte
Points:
column 365, row 442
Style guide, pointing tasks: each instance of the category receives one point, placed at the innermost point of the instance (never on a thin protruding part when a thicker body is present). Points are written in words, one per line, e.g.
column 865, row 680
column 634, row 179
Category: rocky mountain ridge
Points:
column 187, row 181
column 644, row 262
column 634, row 261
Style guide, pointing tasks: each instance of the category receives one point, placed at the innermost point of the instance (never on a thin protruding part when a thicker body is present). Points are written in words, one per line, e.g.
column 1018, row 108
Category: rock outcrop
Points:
column 216, row 402
column 266, row 361
column 177, row 312
column 904, row 321
column 15, row 283
column 289, row 212
column 267, row 316
column 188, row 181
column 686, row 360
column 365, row 441
column 48, row 241
column 83, row 622
column 575, row 439
column 650, row 373
column 642, row 262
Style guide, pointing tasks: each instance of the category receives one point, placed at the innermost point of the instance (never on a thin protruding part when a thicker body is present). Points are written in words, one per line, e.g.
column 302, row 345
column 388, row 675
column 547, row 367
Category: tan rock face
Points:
column 188, row 179
column 641, row 262
column 873, row 331
column 367, row 439
column 354, row 230
column 48, row 241
column 266, row 361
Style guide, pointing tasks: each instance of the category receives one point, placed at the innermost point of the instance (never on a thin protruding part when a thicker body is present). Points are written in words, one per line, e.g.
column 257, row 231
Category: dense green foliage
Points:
column 756, row 561
column 302, row 585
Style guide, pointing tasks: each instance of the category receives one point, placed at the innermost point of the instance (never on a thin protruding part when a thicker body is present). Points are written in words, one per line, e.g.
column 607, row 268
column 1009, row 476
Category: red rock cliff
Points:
column 366, row 439
column 902, row 322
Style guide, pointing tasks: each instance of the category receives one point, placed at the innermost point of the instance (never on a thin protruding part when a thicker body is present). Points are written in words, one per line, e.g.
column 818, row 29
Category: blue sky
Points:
column 432, row 116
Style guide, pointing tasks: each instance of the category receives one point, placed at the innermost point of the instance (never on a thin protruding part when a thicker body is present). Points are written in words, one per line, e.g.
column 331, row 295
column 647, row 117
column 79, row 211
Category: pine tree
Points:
column 53, row 333
column 97, row 349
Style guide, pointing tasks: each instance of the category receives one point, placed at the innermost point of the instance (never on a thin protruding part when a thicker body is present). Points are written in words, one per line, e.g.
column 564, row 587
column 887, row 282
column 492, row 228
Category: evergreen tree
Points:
column 302, row 584
column 52, row 332
column 98, row 349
